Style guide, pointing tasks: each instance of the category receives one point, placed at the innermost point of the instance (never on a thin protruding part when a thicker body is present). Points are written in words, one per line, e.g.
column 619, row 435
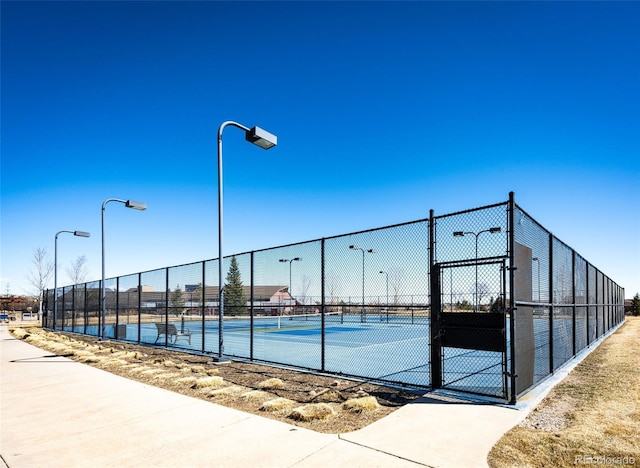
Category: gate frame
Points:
column 437, row 367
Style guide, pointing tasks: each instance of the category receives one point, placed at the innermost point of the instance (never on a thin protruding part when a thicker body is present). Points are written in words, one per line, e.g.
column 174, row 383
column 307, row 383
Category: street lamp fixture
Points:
column 55, row 270
column 261, row 138
column 493, row 230
column 363, row 313
column 136, row 205
column 265, row 140
column 285, row 260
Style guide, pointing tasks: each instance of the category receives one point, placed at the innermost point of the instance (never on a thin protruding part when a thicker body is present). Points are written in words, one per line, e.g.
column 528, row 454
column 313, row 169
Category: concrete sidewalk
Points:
column 56, row 412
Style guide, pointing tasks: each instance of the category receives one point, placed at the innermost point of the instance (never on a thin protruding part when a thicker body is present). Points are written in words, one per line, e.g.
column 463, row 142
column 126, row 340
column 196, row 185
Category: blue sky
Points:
column 383, row 110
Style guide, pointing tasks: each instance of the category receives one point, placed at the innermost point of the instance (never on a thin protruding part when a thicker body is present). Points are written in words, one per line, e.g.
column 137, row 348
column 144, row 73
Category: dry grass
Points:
column 20, row 333
column 256, row 395
column 208, row 382
column 115, row 363
column 360, row 405
column 271, row 384
column 312, row 412
column 594, row 412
column 230, row 391
column 277, row 404
column 188, row 381
column 165, row 376
column 152, row 371
column 328, row 395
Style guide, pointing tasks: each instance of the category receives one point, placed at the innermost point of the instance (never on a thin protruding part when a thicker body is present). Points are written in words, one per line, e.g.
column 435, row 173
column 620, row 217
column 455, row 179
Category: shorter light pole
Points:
column 129, row 204
column 55, row 270
column 363, row 313
column 284, row 260
column 493, row 230
column 387, row 275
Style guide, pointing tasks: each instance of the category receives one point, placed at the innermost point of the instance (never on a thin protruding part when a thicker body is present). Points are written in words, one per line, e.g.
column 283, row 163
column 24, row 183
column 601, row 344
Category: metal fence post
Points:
column 435, row 306
column 139, row 306
column 587, row 300
column 512, row 295
column 550, row 286
column 166, row 306
column 573, row 300
column 322, row 306
column 251, row 324
column 115, row 325
column 202, row 303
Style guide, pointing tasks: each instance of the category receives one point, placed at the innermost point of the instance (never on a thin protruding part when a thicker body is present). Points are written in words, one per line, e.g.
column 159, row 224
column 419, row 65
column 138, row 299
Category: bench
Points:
column 170, row 331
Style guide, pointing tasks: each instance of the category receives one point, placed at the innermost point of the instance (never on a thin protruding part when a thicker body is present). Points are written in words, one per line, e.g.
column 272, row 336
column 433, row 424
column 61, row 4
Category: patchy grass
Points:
column 271, row 384
column 212, row 381
column 255, row 395
column 277, row 404
column 115, row 362
column 188, row 381
column 230, row 391
column 21, row 333
column 591, row 417
column 360, row 405
column 312, row 412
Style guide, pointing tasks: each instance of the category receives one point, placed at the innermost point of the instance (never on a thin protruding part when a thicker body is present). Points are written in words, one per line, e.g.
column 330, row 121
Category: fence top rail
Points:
column 471, row 210
column 589, row 264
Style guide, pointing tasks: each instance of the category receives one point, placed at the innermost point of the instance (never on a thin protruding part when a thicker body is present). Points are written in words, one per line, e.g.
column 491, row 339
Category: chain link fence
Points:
column 483, row 301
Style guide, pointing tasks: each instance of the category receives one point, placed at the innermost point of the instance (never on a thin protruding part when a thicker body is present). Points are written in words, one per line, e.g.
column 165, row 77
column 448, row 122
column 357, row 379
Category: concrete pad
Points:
column 55, row 412
column 440, row 431
column 345, row 454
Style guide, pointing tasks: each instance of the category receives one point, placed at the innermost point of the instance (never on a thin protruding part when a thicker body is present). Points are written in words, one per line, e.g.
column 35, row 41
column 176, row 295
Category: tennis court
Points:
column 431, row 303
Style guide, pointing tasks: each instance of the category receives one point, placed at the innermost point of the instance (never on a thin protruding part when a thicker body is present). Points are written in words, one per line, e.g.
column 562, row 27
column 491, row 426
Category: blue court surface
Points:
column 376, row 347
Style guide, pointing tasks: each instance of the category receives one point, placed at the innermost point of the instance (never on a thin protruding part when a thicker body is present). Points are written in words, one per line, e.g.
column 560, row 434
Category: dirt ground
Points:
column 321, row 403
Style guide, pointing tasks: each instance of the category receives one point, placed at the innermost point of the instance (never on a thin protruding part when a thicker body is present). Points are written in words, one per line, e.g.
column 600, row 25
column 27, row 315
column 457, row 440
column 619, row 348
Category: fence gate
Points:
column 469, row 351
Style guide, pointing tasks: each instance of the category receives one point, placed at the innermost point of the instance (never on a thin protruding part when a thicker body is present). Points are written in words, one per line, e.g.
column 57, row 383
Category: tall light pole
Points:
column 537, row 260
column 387, row 275
column 355, row 247
column 284, row 260
column 55, row 270
column 264, row 140
column 136, row 205
column 493, row 230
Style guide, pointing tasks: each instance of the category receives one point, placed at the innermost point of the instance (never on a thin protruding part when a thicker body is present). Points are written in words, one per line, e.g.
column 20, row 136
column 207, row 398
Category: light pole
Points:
column 55, row 270
column 284, row 260
column 136, row 205
column 493, row 230
column 387, row 275
column 537, row 260
column 355, row 247
column 264, row 140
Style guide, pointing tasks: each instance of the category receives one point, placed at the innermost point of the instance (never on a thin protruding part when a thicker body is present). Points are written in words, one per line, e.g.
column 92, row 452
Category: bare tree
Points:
column 332, row 286
column 396, row 278
column 78, row 271
column 304, row 289
column 482, row 290
column 40, row 274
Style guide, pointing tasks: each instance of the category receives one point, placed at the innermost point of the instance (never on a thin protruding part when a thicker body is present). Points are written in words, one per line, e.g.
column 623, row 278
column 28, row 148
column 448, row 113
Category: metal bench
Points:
column 170, row 330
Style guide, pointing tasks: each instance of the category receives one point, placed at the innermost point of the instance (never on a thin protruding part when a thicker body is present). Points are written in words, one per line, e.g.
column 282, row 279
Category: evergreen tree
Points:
column 235, row 301
column 177, row 301
column 635, row 305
